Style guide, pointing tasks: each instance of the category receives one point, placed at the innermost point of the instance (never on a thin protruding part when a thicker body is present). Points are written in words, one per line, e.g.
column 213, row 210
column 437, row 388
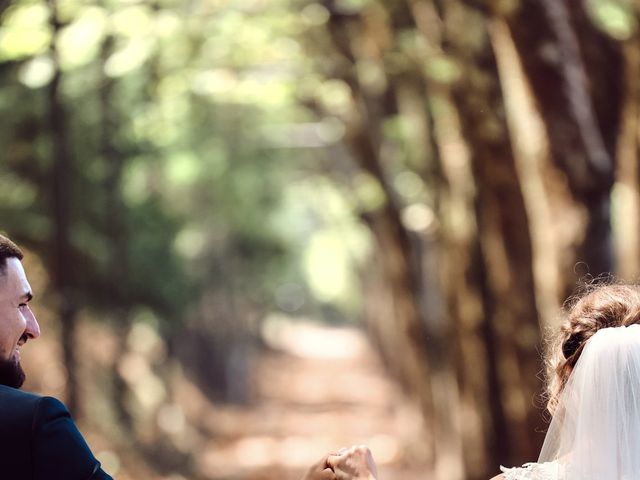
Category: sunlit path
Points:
column 320, row 389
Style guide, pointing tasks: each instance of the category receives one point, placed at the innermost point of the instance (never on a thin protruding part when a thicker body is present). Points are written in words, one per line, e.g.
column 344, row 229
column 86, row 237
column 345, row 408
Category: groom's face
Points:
column 17, row 322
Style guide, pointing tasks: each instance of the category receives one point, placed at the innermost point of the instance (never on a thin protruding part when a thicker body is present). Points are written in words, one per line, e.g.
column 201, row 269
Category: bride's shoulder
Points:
column 530, row 471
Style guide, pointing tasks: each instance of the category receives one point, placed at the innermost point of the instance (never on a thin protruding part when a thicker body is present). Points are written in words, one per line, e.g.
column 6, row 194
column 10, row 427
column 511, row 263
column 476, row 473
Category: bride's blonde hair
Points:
column 600, row 307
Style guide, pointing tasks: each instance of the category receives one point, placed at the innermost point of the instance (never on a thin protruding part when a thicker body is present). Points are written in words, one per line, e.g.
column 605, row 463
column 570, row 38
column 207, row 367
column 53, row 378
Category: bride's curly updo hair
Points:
column 600, row 307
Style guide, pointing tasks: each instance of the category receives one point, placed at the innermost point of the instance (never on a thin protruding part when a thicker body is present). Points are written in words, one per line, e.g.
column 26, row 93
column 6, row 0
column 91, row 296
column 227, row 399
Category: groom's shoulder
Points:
column 12, row 398
column 17, row 404
column 17, row 409
column 17, row 414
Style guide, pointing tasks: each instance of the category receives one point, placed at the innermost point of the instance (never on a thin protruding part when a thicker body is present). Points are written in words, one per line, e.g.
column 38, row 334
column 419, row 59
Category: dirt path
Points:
column 319, row 389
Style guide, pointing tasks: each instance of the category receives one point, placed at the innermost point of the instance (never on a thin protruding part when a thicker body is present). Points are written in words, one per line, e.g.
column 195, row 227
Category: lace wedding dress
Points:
column 595, row 430
column 532, row 471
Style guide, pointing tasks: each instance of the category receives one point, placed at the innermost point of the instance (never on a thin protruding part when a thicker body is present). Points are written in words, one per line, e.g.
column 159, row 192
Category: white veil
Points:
column 595, row 431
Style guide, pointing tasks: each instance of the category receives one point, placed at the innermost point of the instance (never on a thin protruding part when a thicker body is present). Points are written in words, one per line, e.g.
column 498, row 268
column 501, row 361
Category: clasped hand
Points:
column 354, row 463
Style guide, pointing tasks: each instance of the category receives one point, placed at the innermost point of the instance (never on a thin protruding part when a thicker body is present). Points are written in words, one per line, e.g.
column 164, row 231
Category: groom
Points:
column 38, row 438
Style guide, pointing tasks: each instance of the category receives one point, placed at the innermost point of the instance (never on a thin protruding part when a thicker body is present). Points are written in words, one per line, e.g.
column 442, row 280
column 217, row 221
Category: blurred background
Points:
column 259, row 230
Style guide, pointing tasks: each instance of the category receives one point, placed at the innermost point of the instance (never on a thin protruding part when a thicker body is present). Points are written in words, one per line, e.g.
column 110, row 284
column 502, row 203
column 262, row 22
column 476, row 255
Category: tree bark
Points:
column 628, row 173
column 116, row 231
column 504, row 274
column 62, row 176
column 575, row 74
column 401, row 252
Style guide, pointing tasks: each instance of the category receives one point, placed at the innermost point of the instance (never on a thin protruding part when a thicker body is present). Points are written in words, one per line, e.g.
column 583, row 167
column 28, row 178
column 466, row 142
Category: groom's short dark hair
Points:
column 8, row 249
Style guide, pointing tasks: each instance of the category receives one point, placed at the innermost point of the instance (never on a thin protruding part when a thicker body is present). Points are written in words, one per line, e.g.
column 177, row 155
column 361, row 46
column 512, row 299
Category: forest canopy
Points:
column 442, row 172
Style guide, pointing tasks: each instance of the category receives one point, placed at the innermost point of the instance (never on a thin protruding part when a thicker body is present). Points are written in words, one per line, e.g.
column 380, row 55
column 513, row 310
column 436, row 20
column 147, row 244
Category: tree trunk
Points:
column 511, row 325
column 401, row 252
column 575, row 74
column 628, row 173
column 116, row 231
column 62, row 175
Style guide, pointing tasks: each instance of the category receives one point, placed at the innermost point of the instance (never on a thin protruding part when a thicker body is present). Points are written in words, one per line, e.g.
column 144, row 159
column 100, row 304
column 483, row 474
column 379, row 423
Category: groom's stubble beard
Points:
column 11, row 372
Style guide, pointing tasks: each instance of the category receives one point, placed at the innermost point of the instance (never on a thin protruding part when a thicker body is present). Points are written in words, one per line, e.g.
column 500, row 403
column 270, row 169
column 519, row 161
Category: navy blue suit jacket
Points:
column 39, row 440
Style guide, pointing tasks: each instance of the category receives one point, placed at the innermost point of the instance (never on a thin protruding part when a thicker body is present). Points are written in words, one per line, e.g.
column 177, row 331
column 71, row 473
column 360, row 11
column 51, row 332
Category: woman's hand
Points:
column 355, row 463
column 320, row 470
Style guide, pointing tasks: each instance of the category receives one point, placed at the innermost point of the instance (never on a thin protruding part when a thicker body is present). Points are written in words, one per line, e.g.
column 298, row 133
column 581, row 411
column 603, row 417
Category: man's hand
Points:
column 355, row 463
column 320, row 471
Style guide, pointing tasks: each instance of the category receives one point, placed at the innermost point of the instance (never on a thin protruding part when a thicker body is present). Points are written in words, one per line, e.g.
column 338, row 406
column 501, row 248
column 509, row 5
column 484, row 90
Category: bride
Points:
column 593, row 395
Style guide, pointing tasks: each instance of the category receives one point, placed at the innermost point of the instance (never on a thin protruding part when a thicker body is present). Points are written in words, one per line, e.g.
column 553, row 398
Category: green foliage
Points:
column 176, row 118
column 25, row 31
column 617, row 18
column 442, row 69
